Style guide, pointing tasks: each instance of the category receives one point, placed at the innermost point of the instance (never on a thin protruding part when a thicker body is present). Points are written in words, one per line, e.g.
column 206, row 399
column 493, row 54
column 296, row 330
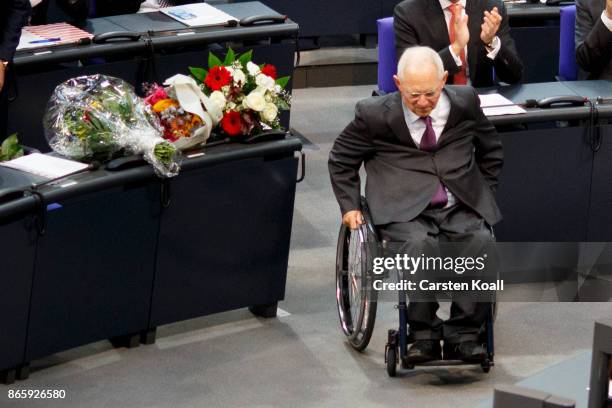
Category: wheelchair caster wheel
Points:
column 391, row 359
column 486, row 366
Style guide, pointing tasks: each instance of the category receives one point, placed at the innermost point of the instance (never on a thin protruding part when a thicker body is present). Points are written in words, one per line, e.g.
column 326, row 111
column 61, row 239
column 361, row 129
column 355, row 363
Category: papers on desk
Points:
column 45, row 166
column 496, row 105
column 49, row 35
column 198, row 15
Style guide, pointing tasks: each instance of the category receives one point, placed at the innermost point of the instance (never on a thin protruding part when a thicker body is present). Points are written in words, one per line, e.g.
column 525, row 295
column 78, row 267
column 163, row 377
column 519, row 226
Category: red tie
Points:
column 460, row 78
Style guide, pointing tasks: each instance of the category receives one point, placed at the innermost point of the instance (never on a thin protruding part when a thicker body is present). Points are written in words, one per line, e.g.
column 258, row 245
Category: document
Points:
column 496, row 105
column 49, row 35
column 45, row 166
column 198, row 15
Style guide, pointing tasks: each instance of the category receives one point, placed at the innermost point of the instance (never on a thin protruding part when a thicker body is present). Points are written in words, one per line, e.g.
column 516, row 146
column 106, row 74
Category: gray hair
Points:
column 414, row 57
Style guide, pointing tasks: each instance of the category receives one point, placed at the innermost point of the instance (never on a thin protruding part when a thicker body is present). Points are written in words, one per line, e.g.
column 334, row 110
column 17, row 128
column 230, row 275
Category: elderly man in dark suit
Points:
column 594, row 37
column 432, row 161
column 471, row 36
column 13, row 16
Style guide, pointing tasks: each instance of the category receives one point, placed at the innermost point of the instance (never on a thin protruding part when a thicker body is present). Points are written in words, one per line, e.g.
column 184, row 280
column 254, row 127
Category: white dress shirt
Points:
column 606, row 20
column 416, row 127
column 496, row 43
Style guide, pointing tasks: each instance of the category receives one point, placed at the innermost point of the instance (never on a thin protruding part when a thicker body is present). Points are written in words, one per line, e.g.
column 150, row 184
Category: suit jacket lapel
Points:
column 455, row 111
column 397, row 121
column 474, row 23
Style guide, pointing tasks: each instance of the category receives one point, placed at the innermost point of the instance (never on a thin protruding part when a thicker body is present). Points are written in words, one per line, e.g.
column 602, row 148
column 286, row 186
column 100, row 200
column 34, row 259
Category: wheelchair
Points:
column 357, row 301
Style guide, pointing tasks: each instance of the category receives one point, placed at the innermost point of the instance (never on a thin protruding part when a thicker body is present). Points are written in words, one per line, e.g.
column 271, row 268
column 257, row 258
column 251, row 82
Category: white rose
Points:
column 255, row 101
column 265, row 81
column 270, row 112
column 277, row 89
column 218, row 98
column 239, row 76
column 253, row 69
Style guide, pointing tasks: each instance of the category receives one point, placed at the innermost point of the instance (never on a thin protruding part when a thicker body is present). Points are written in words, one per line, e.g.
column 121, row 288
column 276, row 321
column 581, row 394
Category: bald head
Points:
column 419, row 60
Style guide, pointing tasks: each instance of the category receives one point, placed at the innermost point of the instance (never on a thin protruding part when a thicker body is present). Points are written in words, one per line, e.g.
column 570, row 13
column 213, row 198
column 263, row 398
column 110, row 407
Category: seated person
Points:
column 594, row 38
column 433, row 161
column 469, row 50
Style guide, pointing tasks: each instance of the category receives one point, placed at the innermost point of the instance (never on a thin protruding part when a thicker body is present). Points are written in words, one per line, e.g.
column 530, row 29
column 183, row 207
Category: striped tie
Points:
column 166, row 3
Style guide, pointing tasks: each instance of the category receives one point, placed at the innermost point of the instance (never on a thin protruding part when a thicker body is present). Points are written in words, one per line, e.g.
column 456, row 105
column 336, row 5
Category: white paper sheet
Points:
column 496, row 105
column 198, row 15
column 45, row 166
column 25, row 41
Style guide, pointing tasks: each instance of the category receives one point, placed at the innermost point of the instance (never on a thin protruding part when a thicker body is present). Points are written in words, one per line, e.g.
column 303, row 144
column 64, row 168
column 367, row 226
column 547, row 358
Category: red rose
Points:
column 217, row 77
column 232, row 123
column 269, row 70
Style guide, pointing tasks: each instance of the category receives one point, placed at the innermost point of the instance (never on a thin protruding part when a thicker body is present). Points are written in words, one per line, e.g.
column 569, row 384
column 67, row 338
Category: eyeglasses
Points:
column 415, row 96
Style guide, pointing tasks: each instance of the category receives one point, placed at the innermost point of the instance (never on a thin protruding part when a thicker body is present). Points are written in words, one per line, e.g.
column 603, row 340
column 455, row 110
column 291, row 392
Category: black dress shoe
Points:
column 422, row 351
column 468, row 351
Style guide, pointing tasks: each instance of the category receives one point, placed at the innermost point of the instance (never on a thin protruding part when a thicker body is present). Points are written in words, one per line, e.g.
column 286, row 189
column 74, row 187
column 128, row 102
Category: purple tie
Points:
column 429, row 144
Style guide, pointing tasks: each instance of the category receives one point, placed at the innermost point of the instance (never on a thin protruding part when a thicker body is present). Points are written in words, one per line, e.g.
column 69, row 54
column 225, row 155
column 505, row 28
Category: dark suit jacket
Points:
column 421, row 22
column 80, row 9
column 401, row 178
column 593, row 40
column 13, row 16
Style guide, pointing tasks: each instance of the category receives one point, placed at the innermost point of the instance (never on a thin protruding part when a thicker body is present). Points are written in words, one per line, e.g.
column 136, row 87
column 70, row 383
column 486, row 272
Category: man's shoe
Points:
column 422, row 351
column 468, row 351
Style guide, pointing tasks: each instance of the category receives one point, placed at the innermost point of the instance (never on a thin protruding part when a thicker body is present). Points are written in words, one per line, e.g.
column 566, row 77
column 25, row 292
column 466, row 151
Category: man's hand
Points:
column 490, row 24
column 609, row 8
column 352, row 219
column 2, row 69
column 462, row 33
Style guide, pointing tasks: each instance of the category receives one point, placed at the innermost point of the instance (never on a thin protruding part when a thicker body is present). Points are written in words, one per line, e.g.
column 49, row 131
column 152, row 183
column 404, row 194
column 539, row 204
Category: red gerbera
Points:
column 269, row 70
column 217, row 77
column 232, row 123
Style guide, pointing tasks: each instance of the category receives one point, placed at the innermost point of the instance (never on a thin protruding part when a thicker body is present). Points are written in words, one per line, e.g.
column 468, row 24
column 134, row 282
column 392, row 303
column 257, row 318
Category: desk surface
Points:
column 520, row 93
column 157, row 23
column 102, row 179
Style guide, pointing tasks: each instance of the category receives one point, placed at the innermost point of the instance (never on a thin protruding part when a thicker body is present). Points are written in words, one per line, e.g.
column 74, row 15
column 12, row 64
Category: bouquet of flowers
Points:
column 249, row 96
column 187, row 115
column 99, row 117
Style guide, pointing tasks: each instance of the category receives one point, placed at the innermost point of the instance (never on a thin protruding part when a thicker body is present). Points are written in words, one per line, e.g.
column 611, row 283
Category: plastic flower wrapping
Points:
column 98, row 118
column 249, row 96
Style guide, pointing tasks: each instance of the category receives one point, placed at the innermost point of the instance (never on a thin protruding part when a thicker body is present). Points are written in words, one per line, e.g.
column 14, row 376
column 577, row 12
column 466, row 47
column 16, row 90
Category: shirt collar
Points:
column 445, row 3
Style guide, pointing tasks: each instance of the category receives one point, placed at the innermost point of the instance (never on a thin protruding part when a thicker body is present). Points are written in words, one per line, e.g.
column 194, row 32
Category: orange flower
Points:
column 164, row 104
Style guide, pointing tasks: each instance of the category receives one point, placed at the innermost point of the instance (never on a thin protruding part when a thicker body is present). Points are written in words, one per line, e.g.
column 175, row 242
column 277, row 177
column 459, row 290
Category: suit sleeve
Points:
column 406, row 35
column 17, row 17
column 593, row 40
column 352, row 147
column 507, row 63
column 487, row 147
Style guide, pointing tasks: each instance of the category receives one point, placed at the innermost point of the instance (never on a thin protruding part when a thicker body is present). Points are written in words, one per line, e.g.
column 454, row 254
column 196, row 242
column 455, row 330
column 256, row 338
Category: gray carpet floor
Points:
column 301, row 359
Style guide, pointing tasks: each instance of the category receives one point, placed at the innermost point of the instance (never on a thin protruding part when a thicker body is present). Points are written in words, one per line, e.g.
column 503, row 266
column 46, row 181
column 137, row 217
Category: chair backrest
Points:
column 568, row 68
column 387, row 60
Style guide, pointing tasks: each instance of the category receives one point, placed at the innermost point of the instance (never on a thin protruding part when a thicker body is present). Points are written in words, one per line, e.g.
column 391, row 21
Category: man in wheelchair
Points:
column 432, row 161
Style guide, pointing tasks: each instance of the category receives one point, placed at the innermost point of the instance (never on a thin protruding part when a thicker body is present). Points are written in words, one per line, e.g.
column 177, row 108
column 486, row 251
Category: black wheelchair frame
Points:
column 357, row 301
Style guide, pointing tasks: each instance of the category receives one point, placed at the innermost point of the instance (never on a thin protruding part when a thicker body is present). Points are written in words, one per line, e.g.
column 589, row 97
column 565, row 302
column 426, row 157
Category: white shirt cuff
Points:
column 455, row 57
column 607, row 21
column 494, row 49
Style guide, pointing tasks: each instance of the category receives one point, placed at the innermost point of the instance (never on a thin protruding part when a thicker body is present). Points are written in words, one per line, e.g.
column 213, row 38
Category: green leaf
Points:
column 246, row 57
column 213, row 60
column 10, row 148
column 283, row 81
column 198, row 73
column 229, row 57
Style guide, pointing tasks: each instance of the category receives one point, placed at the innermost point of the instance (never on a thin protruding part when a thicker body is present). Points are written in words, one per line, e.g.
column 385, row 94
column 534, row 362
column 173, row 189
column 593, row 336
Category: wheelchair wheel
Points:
column 391, row 359
column 354, row 295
